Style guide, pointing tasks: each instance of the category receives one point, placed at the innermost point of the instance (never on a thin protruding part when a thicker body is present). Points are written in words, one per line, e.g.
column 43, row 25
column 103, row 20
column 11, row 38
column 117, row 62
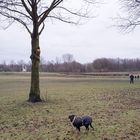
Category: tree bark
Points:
column 34, row 95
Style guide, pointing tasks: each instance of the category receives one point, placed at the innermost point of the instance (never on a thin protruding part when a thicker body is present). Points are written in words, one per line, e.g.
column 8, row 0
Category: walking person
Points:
column 131, row 79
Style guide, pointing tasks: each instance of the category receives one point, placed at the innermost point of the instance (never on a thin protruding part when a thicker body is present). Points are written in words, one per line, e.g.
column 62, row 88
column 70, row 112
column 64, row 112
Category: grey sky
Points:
column 95, row 39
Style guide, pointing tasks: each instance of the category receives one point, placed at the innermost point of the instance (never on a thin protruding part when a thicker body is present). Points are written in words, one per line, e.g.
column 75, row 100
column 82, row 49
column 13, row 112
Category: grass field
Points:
column 113, row 103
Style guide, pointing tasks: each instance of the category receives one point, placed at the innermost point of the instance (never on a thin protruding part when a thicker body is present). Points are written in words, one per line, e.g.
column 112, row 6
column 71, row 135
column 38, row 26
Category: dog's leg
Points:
column 91, row 126
column 78, row 131
column 87, row 127
column 78, row 128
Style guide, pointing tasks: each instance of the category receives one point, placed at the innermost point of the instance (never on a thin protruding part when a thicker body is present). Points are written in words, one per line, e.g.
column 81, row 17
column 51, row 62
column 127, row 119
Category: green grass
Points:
column 113, row 103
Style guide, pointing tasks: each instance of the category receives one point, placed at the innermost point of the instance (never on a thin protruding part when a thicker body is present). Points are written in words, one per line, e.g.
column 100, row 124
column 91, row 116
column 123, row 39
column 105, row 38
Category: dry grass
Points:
column 114, row 105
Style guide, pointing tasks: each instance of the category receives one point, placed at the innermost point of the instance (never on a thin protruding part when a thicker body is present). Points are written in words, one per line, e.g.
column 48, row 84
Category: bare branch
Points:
column 42, row 28
column 46, row 12
column 138, row 1
column 33, row 13
column 16, row 19
column 26, row 7
column 63, row 20
column 14, row 11
column 132, row 18
column 78, row 13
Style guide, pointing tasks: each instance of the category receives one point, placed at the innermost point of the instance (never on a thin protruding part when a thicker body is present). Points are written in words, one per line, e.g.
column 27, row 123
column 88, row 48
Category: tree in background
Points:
column 131, row 19
column 32, row 14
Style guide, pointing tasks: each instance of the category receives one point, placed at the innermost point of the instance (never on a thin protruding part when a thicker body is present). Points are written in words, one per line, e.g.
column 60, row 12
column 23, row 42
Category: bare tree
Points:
column 67, row 58
column 32, row 14
column 131, row 19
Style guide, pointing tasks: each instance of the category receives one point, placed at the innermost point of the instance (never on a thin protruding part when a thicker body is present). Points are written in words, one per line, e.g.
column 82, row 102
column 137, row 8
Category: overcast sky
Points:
column 95, row 39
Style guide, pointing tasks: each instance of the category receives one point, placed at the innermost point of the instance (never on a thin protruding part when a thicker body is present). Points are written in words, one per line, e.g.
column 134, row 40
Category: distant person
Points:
column 138, row 76
column 131, row 79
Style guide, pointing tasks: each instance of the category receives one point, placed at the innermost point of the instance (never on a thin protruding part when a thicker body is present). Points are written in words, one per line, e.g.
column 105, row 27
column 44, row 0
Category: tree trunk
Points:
column 34, row 95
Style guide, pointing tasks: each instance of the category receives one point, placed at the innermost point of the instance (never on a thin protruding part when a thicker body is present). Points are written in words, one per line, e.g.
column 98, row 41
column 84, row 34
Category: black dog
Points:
column 81, row 121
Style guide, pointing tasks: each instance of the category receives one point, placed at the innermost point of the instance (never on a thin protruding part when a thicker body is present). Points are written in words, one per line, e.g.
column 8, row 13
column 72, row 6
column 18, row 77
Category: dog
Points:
column 81, row 121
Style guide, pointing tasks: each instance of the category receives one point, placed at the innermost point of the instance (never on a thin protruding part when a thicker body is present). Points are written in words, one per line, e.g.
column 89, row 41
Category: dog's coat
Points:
column 81, row 121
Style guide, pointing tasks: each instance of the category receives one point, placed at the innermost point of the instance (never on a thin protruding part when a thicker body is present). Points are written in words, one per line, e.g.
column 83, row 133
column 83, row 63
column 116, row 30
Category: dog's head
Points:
column 71, row 117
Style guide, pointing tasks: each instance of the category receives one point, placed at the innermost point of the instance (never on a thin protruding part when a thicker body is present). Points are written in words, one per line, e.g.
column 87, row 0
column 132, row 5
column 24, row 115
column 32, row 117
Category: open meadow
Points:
column 112, row 102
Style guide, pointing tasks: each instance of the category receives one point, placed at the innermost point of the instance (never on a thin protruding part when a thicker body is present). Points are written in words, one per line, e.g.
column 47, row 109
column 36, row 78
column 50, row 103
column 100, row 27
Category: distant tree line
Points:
column 68, row 64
